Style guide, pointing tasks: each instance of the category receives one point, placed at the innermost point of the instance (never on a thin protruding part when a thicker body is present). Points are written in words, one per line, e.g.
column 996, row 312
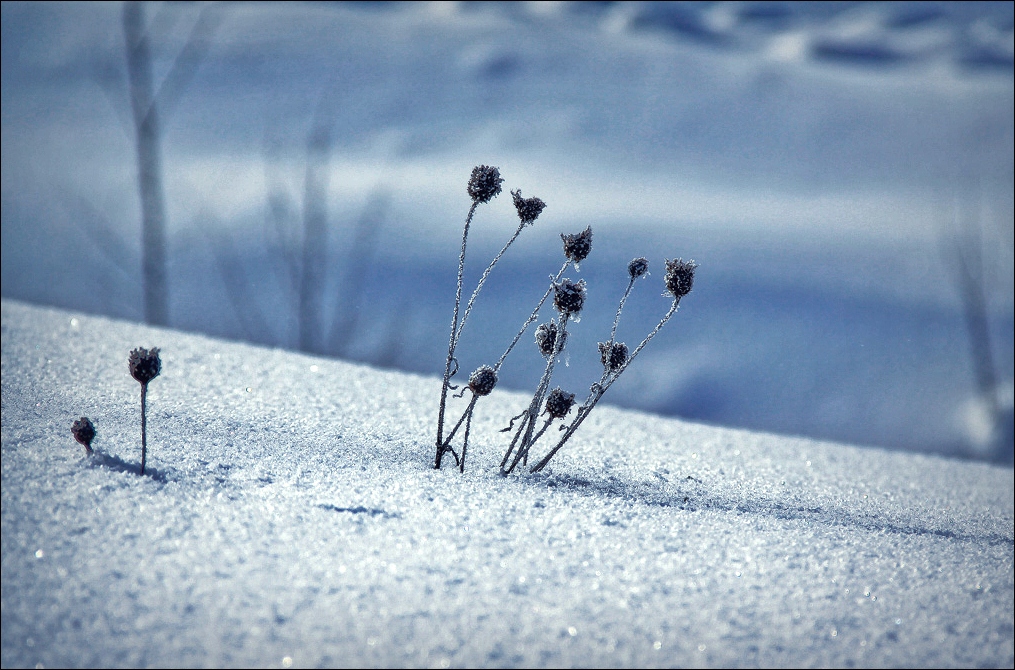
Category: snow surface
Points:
column 292, row 517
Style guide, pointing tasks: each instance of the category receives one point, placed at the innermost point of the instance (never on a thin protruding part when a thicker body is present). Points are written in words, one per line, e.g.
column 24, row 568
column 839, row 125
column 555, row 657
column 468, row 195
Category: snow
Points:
column 292, row 518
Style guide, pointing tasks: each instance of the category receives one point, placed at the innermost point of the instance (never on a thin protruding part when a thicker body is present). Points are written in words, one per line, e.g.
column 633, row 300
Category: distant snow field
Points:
column 291, row 517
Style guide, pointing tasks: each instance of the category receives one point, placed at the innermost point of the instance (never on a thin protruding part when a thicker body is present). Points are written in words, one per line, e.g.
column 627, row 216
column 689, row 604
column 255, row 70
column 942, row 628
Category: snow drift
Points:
column 291, row 517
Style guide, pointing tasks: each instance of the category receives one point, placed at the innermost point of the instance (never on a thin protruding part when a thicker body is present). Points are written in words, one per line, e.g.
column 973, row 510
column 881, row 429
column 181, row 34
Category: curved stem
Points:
column 452, row 341
column 533, row 316
column 482, row 280
column 616, row 319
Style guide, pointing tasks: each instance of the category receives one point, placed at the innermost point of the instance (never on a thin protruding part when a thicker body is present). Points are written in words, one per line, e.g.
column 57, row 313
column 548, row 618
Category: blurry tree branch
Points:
column 145, row 104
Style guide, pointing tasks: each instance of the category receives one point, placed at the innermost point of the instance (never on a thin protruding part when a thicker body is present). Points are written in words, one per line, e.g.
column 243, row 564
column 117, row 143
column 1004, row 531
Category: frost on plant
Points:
column 144, row 365
column 569, row 299
column 484, row 185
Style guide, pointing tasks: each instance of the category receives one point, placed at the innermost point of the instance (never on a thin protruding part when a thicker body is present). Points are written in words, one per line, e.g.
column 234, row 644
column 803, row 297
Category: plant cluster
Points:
column 569, row 297
column 144, row 365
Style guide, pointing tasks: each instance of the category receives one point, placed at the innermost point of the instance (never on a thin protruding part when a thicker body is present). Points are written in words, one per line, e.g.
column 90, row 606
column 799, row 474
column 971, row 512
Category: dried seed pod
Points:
column 546, row 338
column 613, row 356
column 482, row 380
column 578, row 246
column 559, row 403
column 569, row 297
column 484, row 184
column 679, row 277
column 637, row 267
column 84, row 432
column 145, row 364
column 528, row 209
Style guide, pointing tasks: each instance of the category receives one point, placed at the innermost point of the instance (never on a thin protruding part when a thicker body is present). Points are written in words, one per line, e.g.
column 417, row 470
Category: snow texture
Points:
column 291, row 517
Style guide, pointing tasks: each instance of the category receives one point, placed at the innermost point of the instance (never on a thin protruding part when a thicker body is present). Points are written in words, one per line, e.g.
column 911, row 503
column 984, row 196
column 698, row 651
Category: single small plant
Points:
column 84, row 432
column 484, row 185
column 679, row 281
column 145, row 365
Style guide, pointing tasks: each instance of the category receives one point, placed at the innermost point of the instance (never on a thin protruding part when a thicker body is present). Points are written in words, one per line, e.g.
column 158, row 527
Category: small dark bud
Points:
column 577, row 247
column 529, row 209
column 84, row 432
column 569, row 297
column 637, row 268
column 614, row 356
column 559, row 403
column 679, row 277
column 546, row 338
column 483, row 380
column 484, row 185
column 144, row 364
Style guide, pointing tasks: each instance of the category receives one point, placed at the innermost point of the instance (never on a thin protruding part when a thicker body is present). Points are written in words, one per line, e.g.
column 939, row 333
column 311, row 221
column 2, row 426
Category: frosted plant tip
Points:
column 484, row 184
column 528, row 209
column 559, row 403
column 637, row 267
column 578, row 246
column 546, row 338
column 679, row 277
column 569, row 297
column 613, row 356
column 483, row 380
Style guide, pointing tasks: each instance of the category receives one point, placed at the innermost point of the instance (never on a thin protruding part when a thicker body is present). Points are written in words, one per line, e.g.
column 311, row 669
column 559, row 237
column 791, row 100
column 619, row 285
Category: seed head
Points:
column 577, row 247
column 613, row 356
column 144, row 364
column 679, row 277
column 484, row 185
column 637, row 267
column 546, row 338
column 529, row 209
column 84, row 432
column 483, row 380
column 569, row 297
column 559, row 403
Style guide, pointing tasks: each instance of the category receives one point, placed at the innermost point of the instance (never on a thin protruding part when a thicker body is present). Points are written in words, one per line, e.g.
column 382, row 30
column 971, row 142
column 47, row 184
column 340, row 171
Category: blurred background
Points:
column 294, row 175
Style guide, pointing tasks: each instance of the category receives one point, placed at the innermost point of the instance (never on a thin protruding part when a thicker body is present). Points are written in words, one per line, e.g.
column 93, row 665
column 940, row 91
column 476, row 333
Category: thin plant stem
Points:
column 537, row 398
column 533, row 316
column 482, row 280
column 144, row 427
column 616, row 319
column 452, row 341
column 468, row 427
column 599, row 390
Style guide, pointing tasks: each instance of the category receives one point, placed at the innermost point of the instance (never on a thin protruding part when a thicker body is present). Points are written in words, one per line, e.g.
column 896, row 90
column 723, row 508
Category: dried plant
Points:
column 145, row 365
column 84, row 432
column 569, row 298
column 679, row 280
column 484, row 185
